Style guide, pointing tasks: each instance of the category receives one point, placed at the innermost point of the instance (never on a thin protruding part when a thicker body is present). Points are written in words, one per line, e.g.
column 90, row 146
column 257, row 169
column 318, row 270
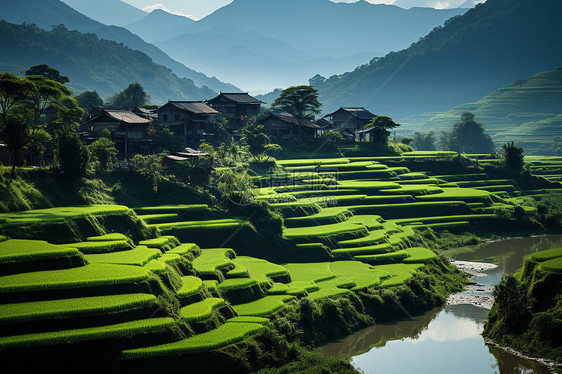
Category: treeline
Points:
column 93, row 64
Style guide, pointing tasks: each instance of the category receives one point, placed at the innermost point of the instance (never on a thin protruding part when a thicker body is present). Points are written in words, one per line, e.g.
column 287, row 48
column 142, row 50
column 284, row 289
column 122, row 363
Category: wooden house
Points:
column 283, row 128
column 128, row 130
column 350, row 118
column 194, row 120
column 237, row 108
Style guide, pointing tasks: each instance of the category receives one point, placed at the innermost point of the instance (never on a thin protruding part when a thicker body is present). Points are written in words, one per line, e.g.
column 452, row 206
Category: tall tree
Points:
column 48, row 72
column 14, row 117
column 424, row 141
column 380, row 126
column 131, row 97
column 513, row 157
column 300, row 101
column 45, row 92
column 90, row 101
column 467, row 136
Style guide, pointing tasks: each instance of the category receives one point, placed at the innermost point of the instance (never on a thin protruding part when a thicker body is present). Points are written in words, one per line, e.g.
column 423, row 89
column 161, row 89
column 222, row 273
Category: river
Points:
column 447, row 339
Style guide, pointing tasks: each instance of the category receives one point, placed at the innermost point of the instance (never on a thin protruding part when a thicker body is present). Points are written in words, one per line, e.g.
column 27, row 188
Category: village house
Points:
column 349, row 118
column 283, row 128
column 128, row 131
column 194, row 120
column 237, row 108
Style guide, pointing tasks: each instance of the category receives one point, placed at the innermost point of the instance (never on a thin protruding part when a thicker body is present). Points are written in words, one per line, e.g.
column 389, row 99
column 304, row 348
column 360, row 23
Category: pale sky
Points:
column 198, row 9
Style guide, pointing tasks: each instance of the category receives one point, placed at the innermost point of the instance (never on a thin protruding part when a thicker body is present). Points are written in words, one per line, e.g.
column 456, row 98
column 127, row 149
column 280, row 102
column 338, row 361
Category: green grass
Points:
column 160, row 218
column 84, row 276
column 228, row 333
column 190, row 285
column 278, row 289
column 399, row 273
column 186, row 249
column 365, row 250
column 51, row 215
column 249, row 319
column 362, row 275
column 419, row 255
column 345, row 228
column 107, row 237
column 261, row 270
column 68, row 308
column 127, row 329
column 459, row 194
column 15, row 250
column 100, row 246
column 324, row 293
column 138, row 256
column 201, row 310
column 263, row 307
column 554, row 265
column 212, row 259
column 236, row 284
column 310, row 272
column 374, row 237
column 156, row 267
column 546, row 255
column 166, row 209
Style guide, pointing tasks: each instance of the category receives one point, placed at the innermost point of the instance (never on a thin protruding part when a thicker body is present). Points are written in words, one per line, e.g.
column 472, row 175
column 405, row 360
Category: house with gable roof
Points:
column 128, row 130
column 349, row 118
column 194, row 120
column 237, row 108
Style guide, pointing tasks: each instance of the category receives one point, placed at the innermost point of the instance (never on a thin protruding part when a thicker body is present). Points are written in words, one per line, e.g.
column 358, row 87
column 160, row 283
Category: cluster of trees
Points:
column 23, row 101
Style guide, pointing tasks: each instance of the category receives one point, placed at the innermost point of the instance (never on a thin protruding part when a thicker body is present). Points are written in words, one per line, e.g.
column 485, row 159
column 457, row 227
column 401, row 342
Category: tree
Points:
column 380, row 126
column 45, row 92
column 131, row 97
column 14, row 116
column 331, row 139
column 467, row 136
column 164, row 139
column 300, row 101
column 255, row 138
column 150, row 167
column 424, row 141
column 72, row 155
column 103, row 151
column 90, row 101
column 48, row 72
column 513, row 157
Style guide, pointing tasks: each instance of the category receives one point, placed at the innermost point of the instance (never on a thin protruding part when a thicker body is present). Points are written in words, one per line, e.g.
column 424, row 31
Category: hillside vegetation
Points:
column 527, row 111
column 93, row 64
column 48, row 13
column 460, row 62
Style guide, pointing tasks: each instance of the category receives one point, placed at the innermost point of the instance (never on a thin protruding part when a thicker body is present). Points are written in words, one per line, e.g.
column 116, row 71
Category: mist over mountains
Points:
column 471, row 55
column 263, row 44
column 46, row 13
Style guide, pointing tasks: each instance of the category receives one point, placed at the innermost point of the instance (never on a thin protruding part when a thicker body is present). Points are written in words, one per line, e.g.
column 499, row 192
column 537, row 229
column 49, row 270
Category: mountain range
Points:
column 488, row 47
column 262, row 44
column 46, row 13
column 527, row 111
column 92, row 64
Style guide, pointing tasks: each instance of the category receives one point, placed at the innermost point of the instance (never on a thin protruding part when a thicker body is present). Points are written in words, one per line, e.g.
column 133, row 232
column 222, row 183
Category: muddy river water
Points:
column 448, row 339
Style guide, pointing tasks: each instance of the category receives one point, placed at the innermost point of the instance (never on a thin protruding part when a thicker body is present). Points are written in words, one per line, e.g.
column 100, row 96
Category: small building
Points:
column 283, row 128
column 350, row 118
column 374, row 134
column 128, row 130
column 194, row 120
column 237, row 108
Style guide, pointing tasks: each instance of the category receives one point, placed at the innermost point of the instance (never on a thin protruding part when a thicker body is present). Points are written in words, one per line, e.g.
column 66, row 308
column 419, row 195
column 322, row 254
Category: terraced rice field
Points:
column 358, row 213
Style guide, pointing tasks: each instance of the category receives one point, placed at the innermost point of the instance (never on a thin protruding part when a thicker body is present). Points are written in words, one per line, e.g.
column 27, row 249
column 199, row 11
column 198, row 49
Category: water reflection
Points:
column 451, row 335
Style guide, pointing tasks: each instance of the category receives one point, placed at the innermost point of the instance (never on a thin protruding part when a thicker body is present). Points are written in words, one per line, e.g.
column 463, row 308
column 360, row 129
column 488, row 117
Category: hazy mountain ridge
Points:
column 528, row 111
column 94, row 64
column 318, row 36
column 108, row 12
column 46, row 13
column 471, row 55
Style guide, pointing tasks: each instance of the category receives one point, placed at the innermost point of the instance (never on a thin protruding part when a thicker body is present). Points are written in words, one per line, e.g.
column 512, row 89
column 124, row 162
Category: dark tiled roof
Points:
column 125, row 116
column 240, row 98
column 197, row 107
column 288, row 118
column 358, row 112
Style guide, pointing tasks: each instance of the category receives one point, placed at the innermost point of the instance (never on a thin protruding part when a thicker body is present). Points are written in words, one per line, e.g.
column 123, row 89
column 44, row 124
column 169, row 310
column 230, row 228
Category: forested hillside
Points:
column 527, row 111
column 471, row 55
column 94, row 64
column 46, row 13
